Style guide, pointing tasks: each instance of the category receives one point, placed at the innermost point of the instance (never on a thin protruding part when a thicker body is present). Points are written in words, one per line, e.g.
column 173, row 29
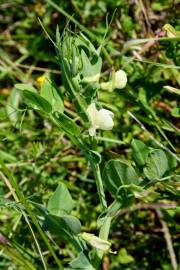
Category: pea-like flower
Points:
column 100, row 119
column 119, row 81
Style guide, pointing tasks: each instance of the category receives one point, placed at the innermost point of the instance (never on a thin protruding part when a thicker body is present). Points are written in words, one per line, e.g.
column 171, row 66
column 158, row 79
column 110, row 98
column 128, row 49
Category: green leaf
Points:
column 95, row 156
column 51, row 93
column 81, row 262
column 65, row 227
column 139, row 152
column 156, row 165
column 66, row 224
column 172, row 162
column 90, row 69
column 61, row 201
column 176, row 112
column 22, row 86
column 36, row 101
column 12, row 105
column 124, row 257
column 117, row 175
column 66, row 123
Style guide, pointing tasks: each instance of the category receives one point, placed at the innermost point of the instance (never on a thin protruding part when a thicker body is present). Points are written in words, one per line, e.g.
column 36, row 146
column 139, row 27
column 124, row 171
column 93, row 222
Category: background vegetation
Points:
column 40, row 157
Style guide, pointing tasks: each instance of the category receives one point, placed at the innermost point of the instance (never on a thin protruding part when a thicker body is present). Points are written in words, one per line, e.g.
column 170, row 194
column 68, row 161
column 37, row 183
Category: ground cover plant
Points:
column 89, row 134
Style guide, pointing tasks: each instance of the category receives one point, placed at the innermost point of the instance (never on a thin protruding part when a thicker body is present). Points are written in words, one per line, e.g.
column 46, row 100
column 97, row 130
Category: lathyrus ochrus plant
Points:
column 80, row 65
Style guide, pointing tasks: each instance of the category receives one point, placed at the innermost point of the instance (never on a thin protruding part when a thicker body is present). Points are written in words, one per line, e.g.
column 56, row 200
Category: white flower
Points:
column 119, row 81
column 95, row 241
column 102, row 119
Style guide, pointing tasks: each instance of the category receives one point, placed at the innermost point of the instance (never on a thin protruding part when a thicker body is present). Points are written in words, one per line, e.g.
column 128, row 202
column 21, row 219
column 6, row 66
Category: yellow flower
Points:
column 40, row 80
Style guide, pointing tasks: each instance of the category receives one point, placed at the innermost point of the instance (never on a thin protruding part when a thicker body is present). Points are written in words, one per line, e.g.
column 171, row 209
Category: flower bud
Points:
column 119, row 81
column 95, row 241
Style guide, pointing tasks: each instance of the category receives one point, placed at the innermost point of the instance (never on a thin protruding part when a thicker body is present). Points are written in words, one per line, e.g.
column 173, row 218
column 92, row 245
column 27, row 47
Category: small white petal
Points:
column 104, row 119
column 92, row 111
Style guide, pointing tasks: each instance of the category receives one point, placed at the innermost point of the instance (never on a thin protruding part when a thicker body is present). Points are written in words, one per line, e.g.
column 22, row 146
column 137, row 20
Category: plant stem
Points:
column 95, row 168
column 99, row 184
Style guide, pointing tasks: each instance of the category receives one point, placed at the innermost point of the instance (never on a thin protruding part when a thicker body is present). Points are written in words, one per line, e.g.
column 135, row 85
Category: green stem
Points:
column 95, row 169
column 104, row 234
column 99, row 184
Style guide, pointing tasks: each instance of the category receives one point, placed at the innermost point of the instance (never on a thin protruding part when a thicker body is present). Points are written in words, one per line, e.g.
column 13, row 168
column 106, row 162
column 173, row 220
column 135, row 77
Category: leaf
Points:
column 96, row 156
column 65, row 227
column 22, row 86
column 139, row 152
column 36, row 101
column 124, row 257
column 156, row 165
column 66, row 123
column 67, row 224
column 51, row 93
column 81, row 262
column 176, row 112
column 90, row 69
column 87, row 67
column 12, row 105
column 117, row 175
column 61, row 201
column 172, row 163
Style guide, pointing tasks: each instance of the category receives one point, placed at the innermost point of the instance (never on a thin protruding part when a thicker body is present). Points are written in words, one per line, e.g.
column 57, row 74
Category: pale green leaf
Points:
column 124, row 257
column 66, row 123
column 51, row 93
column 118, row 174
column 61, row 201
column 22, row 86
column 36, row 101
column 12, row 106
column 81, row 262
column 139, row 152
column 156, row 165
